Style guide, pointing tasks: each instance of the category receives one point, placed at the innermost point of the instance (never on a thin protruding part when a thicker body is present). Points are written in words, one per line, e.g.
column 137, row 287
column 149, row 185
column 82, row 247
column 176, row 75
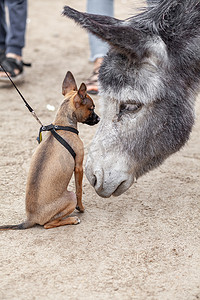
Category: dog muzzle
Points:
column 92, row 120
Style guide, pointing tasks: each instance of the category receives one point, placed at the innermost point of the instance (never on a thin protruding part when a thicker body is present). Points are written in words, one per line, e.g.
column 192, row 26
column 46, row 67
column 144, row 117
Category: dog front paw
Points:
column 81, row 209
column 77, row 221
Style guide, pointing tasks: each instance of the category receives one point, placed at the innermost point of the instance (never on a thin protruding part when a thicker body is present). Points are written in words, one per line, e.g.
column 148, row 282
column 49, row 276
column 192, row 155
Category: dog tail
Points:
column 25, row 225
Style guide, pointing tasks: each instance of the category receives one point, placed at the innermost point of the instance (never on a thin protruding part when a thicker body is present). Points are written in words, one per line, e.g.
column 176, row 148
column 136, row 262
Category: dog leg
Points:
column 78, row 181
column 61, row 222
column 57, row 209
column 59, row 218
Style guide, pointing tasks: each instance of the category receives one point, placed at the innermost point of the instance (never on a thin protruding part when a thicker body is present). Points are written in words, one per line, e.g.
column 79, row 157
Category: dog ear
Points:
column 117, row 33
column 69, row 84
column 79, row 98
column 82, row 91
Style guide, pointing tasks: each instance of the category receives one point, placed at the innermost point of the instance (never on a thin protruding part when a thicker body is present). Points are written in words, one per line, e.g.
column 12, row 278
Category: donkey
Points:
column 149, row 80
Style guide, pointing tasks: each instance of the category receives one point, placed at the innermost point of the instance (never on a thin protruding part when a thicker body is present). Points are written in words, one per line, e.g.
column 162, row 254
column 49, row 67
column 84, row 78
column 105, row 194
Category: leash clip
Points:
column 45, row 128
column 48, row 127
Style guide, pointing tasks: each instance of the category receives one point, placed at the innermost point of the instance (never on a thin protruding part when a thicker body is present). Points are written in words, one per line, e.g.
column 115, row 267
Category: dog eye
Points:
column 130, row 108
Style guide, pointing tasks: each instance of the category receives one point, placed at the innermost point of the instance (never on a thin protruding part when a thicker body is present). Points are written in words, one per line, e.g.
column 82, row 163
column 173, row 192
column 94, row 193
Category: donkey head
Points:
column 148, row 82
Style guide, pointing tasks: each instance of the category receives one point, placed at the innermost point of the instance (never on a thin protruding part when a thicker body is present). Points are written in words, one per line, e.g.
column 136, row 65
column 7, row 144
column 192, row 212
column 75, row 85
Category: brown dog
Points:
column 48, row 202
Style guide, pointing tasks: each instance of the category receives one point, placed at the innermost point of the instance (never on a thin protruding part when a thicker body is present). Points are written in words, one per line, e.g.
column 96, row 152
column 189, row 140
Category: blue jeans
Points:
column 12, row 36
column 98, row 48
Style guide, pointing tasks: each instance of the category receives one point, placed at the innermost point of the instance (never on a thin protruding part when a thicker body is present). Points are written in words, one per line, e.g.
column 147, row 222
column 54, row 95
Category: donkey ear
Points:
column 69, row 84
column 80, row 17
column 123, row 37
column 82, row 91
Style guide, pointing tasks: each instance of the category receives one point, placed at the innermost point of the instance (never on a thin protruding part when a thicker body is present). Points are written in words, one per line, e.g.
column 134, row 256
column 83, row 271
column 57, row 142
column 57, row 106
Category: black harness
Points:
column 53, row 129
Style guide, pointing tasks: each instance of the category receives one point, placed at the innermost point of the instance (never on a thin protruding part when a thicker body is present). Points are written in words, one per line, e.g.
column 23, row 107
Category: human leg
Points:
column 15, row 39
column 104, row 7
column 98, row 48
column 2, row 30
column 16, row 33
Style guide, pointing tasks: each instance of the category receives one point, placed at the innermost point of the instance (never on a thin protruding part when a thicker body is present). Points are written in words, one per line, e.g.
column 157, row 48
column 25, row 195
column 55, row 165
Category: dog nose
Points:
column 92, row 120
column 97, row 118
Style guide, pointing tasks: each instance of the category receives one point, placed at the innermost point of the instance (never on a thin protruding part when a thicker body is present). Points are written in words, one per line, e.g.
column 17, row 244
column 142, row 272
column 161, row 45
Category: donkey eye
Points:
column 130, row 107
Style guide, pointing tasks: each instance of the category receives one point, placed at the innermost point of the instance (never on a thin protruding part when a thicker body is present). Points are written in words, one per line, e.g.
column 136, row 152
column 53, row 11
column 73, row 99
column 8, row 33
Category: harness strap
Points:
column 64, row 143
column 53, row 129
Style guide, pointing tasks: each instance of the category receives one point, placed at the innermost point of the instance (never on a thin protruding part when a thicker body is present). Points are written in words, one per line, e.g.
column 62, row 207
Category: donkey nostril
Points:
column 94, row 180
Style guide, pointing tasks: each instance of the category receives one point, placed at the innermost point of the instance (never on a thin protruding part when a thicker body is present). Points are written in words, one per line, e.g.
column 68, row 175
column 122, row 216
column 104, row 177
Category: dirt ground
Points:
column 142, row 245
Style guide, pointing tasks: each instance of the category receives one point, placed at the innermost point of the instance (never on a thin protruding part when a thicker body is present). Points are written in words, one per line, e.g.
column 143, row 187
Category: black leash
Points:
column 26, row 103
column 50, row 127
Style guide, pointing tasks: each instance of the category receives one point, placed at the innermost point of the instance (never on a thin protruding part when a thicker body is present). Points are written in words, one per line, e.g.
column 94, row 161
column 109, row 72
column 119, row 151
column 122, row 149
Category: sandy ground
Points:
column 144, row 244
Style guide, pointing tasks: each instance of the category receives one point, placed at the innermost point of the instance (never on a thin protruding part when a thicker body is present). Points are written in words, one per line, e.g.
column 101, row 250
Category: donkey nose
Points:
column 93, row 180
column 97, row 180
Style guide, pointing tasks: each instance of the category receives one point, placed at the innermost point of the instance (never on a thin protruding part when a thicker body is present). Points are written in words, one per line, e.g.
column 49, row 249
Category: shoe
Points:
column 92, row 83
column 10, row 65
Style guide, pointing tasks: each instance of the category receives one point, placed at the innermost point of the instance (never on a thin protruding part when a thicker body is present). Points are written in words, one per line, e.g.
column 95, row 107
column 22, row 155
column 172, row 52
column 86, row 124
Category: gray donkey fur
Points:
column 148, row 80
